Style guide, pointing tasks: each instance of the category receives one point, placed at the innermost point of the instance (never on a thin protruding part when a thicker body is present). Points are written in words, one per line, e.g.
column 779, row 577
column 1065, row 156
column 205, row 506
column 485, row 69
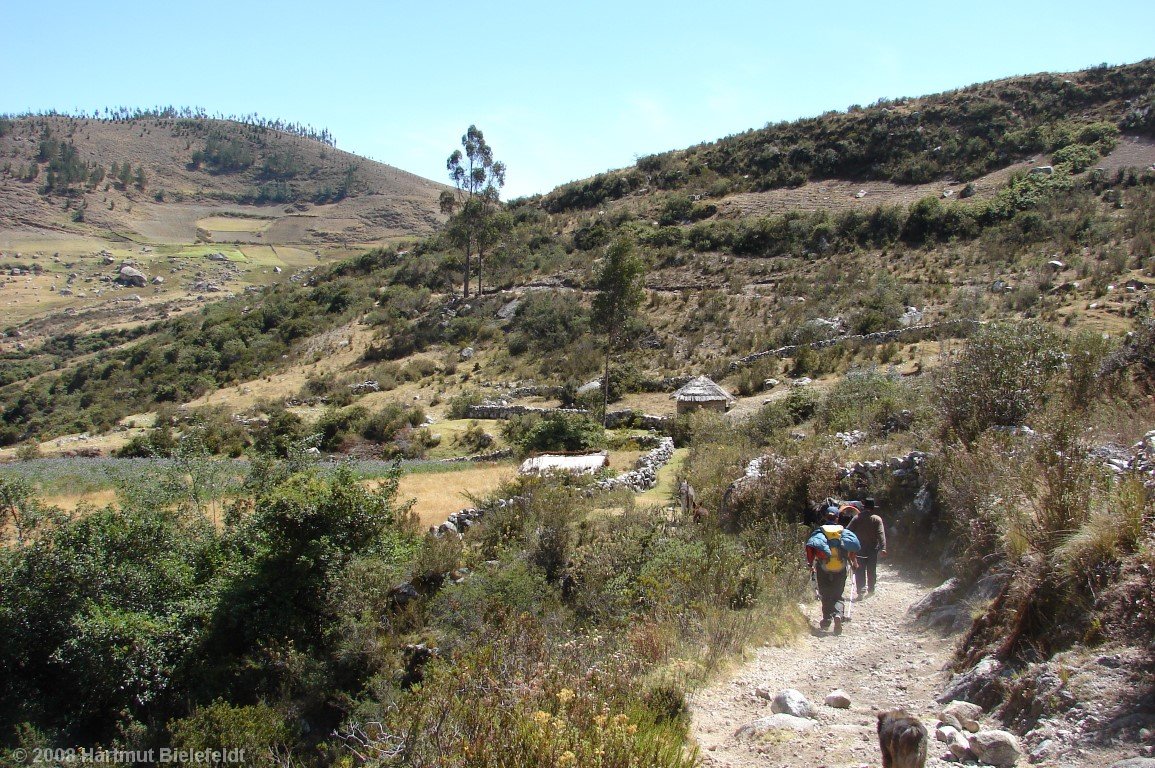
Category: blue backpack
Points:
column 836, row 542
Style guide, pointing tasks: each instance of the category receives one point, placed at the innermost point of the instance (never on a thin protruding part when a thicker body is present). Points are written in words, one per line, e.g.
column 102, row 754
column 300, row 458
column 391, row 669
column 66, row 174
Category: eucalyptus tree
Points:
column 478, row 179
column 620, row 292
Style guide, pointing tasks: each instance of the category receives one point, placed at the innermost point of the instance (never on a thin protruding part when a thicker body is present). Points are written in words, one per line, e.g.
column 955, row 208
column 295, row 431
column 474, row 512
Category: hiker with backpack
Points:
column 830, row 550
column 871, row 533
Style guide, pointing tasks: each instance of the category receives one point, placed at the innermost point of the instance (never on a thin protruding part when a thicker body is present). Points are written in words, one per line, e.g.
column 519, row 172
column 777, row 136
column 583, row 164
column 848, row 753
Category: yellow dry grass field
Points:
column 440, row 494
column 656, row 403
column 71, row 502
column 233, row 224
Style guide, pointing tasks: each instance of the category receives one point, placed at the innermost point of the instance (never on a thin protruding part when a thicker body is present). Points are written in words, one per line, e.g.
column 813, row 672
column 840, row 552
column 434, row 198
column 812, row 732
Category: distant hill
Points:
column 153, row 179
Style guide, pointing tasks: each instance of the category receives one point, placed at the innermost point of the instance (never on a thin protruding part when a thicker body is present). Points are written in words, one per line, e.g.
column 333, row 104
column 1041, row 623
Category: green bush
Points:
column 459, row 405
column 1075, row 158
column 570, row 432
column 1000, row 379
column 261, row 733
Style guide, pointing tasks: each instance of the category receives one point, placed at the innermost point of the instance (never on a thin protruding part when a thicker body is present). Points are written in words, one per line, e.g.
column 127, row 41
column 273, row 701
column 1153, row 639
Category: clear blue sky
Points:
column 561, row 90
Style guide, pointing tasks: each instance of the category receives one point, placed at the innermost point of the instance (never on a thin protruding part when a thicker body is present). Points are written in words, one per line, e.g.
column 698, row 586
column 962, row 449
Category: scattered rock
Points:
column 966, row 713
column 776, row 722
column 998, row 748
column 792, row 702
column 838, row 699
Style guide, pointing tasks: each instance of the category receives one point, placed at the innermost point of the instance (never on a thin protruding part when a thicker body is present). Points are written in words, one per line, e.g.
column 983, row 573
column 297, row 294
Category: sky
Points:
column 562, row 91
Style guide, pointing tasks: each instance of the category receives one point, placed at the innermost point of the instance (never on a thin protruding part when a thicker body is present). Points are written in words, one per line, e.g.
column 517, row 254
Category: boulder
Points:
column 959, row 745
column 776, row 722
column 792, row 702
column 998, row 748
column 981, row 684
column 945, row 733
column 966, row 713
column 132, row 277
column 837, row 699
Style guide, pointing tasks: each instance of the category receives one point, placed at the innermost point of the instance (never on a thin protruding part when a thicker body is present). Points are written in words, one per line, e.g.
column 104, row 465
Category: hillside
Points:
column 163, row 192
column 197, row 168
column 731, row 269
column 210, row 444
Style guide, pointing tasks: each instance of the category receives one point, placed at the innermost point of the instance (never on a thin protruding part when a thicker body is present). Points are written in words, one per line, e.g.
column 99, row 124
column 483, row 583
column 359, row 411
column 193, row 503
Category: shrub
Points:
column 865, row 399
column 337, row 425
column 1000, row 378
column 571, row 432
column 262, row 733
column 459, row 405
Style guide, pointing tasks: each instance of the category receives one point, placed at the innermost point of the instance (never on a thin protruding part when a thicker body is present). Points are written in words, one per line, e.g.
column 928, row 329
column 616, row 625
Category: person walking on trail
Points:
column 871, row 533
column 830, row 550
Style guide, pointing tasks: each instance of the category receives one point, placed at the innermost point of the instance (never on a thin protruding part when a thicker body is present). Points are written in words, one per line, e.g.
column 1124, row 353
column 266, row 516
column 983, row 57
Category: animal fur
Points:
column 902, row 739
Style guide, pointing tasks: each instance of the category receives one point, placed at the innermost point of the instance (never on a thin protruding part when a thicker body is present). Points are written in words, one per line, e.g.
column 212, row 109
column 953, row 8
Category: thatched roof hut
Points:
column 702, row 392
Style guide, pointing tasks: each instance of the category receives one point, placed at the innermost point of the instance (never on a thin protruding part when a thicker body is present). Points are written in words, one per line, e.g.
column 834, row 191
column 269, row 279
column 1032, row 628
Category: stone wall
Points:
column 880, row 337
column 502, row 411
column 614, row 419
column 643, row 477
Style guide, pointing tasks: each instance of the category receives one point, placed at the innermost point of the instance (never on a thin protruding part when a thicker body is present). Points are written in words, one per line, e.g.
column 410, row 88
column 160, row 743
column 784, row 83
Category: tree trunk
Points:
column 606, row 381
column 465, row 281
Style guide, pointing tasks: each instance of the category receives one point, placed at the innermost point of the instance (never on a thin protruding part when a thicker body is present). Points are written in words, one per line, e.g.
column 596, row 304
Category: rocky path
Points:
column 881, row 661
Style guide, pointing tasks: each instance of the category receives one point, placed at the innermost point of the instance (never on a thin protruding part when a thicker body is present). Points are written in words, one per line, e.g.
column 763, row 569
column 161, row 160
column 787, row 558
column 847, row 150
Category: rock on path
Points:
column 880, row 661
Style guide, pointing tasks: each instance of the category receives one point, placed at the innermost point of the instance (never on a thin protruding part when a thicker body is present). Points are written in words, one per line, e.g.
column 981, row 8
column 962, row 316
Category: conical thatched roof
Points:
column 702, row 390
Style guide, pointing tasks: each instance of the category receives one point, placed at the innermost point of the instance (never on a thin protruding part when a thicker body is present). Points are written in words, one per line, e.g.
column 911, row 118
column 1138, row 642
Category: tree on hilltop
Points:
column 472, row 209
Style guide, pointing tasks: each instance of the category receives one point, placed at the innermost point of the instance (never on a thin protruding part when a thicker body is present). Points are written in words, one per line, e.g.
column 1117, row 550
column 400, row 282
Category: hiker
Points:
column 829, row 551
column 871, row 533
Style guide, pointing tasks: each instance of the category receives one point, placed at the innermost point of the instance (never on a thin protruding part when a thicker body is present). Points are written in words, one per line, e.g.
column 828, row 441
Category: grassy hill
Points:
column 732, row 268
column 1000, row 237
column 164, row 192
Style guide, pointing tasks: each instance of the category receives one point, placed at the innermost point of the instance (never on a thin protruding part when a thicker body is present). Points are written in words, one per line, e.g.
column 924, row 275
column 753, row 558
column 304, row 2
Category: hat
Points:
column 869, row 502
column 831, row 512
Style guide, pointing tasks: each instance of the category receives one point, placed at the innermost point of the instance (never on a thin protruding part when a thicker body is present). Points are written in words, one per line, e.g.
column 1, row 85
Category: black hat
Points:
column 869, row 502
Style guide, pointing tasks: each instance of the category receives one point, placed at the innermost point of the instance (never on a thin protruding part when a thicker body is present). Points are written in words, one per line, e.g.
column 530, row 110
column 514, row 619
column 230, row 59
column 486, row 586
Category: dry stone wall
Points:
column 879, row 337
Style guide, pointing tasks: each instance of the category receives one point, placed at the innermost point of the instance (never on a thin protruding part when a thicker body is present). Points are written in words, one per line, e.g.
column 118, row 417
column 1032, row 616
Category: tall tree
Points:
column 619, row 287
column 478, row 179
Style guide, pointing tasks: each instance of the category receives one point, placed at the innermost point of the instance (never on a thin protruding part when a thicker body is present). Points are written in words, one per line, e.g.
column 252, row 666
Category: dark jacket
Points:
column 870, row 532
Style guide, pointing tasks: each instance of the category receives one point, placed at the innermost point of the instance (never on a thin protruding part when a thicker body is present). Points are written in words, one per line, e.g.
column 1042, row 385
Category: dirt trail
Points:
column 880, row 660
